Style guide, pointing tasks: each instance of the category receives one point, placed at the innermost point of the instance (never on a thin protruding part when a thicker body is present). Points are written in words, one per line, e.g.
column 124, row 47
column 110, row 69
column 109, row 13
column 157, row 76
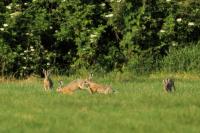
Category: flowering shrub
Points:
column 65, row 35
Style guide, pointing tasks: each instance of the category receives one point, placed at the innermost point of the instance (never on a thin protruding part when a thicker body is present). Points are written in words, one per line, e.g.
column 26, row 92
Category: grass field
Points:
column 140, row 106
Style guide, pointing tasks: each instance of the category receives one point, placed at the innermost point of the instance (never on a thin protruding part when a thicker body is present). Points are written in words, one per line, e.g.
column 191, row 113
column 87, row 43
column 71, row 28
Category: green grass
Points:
column 141, row 106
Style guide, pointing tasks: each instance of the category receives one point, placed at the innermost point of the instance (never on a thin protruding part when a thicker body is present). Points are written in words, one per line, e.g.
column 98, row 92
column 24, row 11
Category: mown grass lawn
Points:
column 140, row 106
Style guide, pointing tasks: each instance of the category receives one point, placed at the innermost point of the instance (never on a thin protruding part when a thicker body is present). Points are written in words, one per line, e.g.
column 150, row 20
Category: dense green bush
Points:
column 66, row 35
column 185, row 59
column 151, row 28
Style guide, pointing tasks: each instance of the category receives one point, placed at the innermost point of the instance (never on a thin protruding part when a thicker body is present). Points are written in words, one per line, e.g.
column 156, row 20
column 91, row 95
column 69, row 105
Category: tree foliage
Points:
column 66, row 35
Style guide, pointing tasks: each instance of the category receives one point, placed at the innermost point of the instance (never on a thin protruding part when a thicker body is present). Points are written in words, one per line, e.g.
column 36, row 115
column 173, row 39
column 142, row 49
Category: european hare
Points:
column 97, row 88
column 71, row 87
column 48, row 83
column 168, row 85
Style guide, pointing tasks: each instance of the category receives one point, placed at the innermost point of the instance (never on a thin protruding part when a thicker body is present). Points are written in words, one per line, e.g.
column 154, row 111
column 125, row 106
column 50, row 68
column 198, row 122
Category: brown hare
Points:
column 71, row 87
column 48, row 83
column 168, row 85
column 97, row 88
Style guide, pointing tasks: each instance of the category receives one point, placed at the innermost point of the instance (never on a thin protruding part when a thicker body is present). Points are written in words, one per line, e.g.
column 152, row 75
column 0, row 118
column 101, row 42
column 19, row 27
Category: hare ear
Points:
column 60, row 82
column 90, row 76
column 164, row 81
column 44, row 72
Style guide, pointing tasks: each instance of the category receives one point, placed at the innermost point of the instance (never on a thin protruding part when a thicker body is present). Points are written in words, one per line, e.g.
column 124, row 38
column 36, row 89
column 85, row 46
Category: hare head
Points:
column 60, row 86
column 87, row 81
column 90, row 77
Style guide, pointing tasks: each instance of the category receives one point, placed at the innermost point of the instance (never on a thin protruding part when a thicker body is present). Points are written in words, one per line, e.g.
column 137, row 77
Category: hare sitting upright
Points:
column 48, row 83
column 168, row 85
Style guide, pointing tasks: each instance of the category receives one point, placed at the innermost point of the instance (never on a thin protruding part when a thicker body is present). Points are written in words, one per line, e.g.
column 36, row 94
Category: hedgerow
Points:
column 67, row 35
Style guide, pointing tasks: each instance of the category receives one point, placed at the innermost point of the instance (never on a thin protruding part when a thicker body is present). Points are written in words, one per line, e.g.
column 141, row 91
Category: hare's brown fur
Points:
column 97, row 88
column 71, row 87
column 48, row 83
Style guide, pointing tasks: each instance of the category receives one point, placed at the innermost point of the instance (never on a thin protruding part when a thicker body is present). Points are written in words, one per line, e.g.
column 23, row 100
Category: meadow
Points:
column 140, row 106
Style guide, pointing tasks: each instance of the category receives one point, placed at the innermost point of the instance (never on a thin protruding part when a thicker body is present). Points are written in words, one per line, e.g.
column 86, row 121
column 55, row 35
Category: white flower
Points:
column 162, row 31
column 56, row 31
column 1, row 29
column 5, row 25
column 168, row 0
column 191, row 24
column 32, row 49
column 21, row 53
column 93, row 36
column 103, row 4
column 109, row 15
column 91, row 40
column 63, row 0
column 8, row 7
column 17, row 5
column 48, row 64
column 17, row 13
column 180, row 3
column 31, row 34
column 24, row 67
column 26, row 51
column 27, row 33
column 174, row 44
column 118, row 0
column 143, row 27
column 24, row 58
column 179, row 19
column 50, row 27
column 25, row 4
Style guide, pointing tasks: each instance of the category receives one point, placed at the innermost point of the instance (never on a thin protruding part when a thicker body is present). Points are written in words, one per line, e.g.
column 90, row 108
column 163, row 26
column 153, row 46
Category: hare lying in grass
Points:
column 71, row 87
column 168, row 85
column 97, row 88
column 48, row 83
